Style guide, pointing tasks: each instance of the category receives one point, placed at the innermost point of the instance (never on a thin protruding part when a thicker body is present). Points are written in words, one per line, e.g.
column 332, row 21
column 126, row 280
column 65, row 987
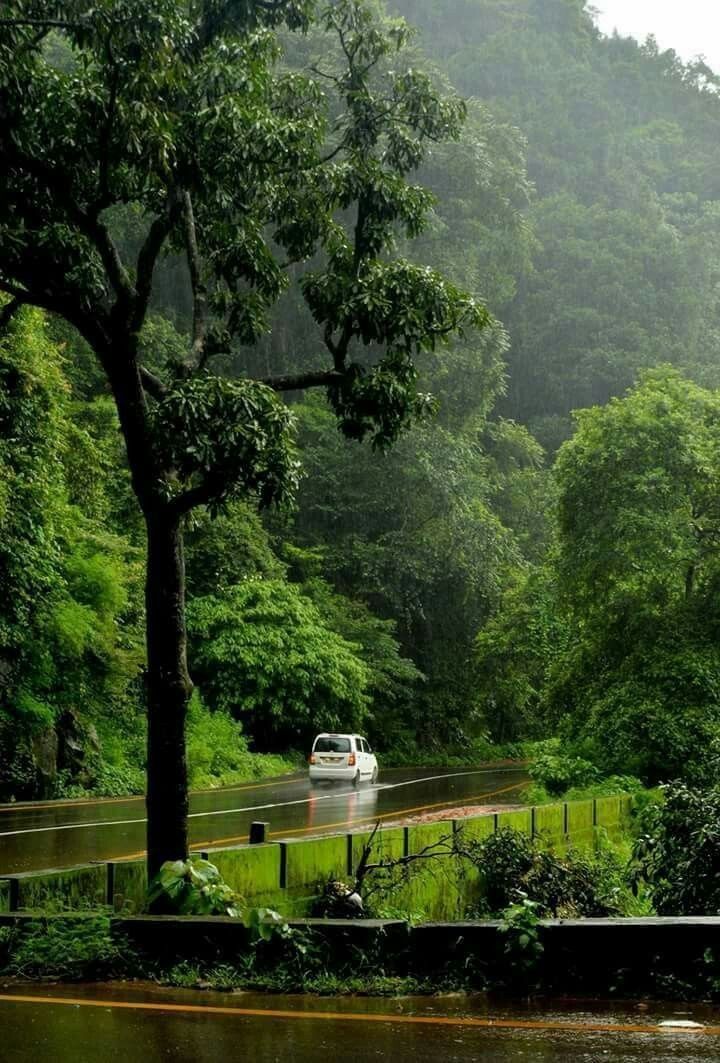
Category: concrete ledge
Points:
column 72, row 887
column 594, row 955
column 222, row 939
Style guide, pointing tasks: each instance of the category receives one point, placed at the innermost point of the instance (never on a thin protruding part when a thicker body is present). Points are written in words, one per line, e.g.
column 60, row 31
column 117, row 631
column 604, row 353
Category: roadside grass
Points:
column 242, row 978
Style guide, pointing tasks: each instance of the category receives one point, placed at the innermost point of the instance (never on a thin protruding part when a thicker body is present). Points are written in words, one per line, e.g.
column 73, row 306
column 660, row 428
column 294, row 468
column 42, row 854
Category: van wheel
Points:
column 374, row 776
column 356, row 780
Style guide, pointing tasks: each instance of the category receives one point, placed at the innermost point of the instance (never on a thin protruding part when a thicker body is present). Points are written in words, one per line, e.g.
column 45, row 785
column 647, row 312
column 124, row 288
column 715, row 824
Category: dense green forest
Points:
column 509, row 569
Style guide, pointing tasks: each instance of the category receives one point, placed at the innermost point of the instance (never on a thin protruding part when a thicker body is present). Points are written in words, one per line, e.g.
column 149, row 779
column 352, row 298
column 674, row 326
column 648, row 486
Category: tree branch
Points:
column 198, row 353
column 152, row 384
column 300, row 381
column 441, row 847
column 148, row 256
column 200, row 495
column 104, row 198
column 88, row 224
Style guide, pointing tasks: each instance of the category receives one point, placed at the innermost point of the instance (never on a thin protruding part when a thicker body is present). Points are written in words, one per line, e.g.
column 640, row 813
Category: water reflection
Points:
column 192, row 1032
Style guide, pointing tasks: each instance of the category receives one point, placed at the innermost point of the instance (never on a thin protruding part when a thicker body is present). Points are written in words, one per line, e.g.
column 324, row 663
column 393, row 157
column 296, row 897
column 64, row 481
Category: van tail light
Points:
column 311, row 758
column 351, row 760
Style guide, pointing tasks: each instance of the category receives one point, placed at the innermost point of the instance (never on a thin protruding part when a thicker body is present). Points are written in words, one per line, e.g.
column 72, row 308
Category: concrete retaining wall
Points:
column 617, row 956
column 290, row 875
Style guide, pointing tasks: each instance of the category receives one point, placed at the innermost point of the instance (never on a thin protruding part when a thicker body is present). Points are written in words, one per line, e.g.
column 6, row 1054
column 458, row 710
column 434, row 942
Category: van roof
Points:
column 337, row 734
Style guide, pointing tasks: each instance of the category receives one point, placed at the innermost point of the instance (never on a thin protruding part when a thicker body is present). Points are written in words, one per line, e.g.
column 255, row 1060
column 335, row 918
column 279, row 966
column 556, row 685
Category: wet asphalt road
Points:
column 61, row 834
column 83, row 1024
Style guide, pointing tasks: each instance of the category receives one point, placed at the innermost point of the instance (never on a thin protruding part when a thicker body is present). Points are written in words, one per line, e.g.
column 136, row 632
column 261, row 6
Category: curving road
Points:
column 57, row 834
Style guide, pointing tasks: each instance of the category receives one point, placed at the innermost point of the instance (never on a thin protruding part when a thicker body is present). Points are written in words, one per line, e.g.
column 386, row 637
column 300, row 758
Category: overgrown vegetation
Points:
column 579, row 883
column 72, row 949
column 677, row 851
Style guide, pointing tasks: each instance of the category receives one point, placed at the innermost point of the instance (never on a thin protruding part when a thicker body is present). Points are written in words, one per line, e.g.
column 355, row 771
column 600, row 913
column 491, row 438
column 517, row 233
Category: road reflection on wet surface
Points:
column 79, row 1024
column 61, row 834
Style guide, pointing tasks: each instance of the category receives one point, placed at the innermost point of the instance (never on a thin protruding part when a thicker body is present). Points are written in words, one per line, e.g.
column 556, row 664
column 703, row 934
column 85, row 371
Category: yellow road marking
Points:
column 339, row 1016
column 357, row 822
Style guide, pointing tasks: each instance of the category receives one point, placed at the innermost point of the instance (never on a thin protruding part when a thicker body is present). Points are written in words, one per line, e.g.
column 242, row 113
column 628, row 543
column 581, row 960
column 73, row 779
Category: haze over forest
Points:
column 507, row 570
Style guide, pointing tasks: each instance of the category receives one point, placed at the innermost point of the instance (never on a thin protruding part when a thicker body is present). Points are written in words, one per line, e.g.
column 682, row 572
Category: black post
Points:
column 258, row 832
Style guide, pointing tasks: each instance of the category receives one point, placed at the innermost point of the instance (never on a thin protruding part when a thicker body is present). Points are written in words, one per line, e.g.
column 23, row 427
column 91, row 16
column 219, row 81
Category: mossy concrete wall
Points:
column 252, row 870
column 308, row 864
column 127, row 886
column 71, row 888
column 520, row 820
column 549, row 823
column 388, row 844
column 291, row 875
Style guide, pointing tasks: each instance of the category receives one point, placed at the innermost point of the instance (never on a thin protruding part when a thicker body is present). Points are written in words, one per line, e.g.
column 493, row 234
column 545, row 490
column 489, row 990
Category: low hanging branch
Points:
column 444, row 846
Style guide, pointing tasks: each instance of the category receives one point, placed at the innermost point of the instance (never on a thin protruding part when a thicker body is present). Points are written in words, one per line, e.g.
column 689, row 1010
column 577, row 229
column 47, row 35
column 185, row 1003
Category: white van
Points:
column 342, row 758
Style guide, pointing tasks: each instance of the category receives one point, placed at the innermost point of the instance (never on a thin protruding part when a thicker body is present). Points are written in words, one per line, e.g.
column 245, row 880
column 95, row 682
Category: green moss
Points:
column 253, row 871
column 433, row 888
column 75, row 887
column 609, row 812
column 387, row 845
column 579, row 817
column 129, row 886
column 550, row 822
column 310, row 862
column 519, row 820
column 423, row 834
column 475, row 828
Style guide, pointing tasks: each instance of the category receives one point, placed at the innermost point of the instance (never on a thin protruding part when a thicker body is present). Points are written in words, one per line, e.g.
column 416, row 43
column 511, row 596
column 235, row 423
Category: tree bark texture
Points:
column 169, row 688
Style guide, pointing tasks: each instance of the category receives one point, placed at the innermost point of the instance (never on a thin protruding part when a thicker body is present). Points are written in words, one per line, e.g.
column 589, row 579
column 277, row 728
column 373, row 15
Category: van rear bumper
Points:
column 325, row 771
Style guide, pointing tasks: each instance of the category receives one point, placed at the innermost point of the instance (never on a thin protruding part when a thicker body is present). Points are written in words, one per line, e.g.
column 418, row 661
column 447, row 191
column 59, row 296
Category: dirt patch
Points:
column 459, row 812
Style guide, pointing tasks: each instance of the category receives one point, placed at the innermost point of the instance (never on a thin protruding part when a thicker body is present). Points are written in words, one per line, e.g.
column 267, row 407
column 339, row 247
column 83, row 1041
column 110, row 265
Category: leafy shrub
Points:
column 557, row 773
column 578, row 884
column 109, row 780
column 504, row 858
column 72, row 949
column 470, row 753
column 613, row 784
column 262, row 652
column 217, row 750
column 677, row 851
column 193, row 887
column 522, row 948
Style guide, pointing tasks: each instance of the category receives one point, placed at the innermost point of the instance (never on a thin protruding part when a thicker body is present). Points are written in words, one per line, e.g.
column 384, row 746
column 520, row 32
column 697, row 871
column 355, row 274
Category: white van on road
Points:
column 342, row 758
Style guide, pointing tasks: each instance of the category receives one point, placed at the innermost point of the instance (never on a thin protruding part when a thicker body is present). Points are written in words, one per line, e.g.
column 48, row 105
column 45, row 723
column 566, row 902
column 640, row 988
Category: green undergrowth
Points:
column 573, row 884
column 217, row 755
column 69, row 950
column 229, row 977
column 537, row 794
column 469, row 755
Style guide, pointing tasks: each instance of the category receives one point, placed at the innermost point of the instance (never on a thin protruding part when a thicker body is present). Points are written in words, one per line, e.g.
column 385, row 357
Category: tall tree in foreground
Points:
column 179, row 113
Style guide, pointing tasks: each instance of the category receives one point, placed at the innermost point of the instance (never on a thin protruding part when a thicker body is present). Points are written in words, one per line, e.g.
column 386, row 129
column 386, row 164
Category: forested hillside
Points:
column 623, row 151
column 503, row 570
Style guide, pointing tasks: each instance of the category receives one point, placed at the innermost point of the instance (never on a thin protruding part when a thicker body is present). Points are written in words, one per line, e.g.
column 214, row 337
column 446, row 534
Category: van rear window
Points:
column 332, row 745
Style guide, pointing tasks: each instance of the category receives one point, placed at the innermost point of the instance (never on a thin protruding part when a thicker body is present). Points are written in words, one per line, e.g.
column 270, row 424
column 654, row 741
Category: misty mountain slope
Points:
column 623, row 146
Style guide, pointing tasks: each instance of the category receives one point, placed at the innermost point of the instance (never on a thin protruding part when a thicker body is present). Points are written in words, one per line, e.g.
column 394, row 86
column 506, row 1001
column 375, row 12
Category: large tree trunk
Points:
column 169, row 689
